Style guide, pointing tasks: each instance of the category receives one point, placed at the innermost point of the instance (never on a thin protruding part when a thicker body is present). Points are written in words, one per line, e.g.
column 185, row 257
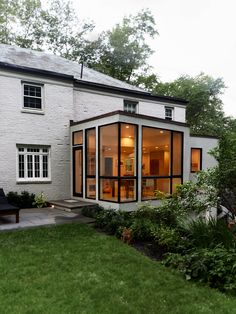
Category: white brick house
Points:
column 74, row 132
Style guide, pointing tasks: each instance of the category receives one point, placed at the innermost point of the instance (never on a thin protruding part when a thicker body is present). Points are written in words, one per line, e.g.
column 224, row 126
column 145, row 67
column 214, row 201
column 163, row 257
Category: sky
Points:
column 194, row 36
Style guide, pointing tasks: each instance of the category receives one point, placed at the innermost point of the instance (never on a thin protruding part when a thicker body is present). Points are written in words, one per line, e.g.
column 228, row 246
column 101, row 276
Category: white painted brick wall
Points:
column 52, row 129
column 88, row 105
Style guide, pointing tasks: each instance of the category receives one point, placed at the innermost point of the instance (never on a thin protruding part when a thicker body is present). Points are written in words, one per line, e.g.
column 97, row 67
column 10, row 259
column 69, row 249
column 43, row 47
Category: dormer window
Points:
column 32, row 96
column 169, row 113
column 130, row 106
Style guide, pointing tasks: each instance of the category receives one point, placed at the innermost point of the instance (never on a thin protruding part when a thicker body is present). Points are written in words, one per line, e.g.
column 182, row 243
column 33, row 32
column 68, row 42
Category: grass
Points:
column 74, row 269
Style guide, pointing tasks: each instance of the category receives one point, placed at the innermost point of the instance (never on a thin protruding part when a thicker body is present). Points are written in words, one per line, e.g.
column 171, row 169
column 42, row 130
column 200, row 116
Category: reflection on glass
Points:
column 128, row 150
column 109, row 189
column 175, row 182
column 150, row 186
column 196, row 159
column 91, row 188
column 109, row 150
column 177, row 153
column 155, row 152
column 78, row 172
column 91, row 152
column 127, row 190
column 78, row 138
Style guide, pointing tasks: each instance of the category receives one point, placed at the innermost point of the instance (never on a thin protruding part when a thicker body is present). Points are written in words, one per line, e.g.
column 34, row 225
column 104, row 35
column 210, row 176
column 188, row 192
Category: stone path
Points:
column 34, row 217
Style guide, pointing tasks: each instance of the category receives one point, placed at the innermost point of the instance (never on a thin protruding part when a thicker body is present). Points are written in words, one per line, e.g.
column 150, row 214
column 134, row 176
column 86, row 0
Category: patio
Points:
column 34, row 217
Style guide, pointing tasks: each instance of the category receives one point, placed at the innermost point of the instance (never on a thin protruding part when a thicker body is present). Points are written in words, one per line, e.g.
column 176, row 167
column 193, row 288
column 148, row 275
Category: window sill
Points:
column 36, row 111
column 33, row 182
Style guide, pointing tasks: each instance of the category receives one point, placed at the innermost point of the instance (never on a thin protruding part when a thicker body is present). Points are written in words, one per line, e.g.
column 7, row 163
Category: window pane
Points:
column 128, row 146
column 30, row 165
column 150, row 186
column 21, row 166
column 155, row 152
column 36, row 166
column 177, row 153
column 127, row 190
column 196, row 156
column 78, row 138
column 91, row 188
column 109, row 189
column 109, row 150
column 91, row 152
column 45, row 166
column 175, row 182
column 35, row 103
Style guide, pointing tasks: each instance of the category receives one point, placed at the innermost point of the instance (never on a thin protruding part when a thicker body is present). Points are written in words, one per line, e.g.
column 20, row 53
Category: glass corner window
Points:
column 196, row 159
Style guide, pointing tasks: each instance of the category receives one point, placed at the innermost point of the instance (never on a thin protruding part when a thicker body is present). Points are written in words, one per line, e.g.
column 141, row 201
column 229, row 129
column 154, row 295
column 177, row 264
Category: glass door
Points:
column 78, row 171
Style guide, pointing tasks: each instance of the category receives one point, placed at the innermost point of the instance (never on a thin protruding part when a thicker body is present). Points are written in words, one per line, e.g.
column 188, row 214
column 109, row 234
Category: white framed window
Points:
column 32, row 96
column 130, row 106
column 33, row 163
column 169, row 113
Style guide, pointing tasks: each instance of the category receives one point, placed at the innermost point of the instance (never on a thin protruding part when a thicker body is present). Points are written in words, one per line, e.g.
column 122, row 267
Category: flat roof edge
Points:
column 204, row 136
column 129, row 92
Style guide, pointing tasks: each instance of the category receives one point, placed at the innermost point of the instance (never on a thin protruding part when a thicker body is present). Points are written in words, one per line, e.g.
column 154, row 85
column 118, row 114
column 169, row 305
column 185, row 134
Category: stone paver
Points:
column 34, row 217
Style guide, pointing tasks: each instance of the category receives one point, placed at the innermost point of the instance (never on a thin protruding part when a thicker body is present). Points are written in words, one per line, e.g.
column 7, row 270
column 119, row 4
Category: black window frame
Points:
column 171, row 176
column 167, row 117
column 119, row 178
column 86, row 163
column 199, row 149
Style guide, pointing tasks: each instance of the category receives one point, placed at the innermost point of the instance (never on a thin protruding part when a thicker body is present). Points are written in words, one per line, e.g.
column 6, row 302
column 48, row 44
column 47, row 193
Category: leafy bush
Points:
column 23, row 200
column 91, row 211
column 40, row 200
column 166, row 237
column 203, row 234
column 143, row 229
column 215, row 267
column 113, row 221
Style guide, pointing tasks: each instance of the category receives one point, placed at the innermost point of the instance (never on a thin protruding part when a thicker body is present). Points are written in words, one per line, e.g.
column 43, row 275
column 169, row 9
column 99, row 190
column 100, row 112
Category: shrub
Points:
column 23, row 200
column 143, row 229
column 166, row 237
column 40, row 200
column 91, row 211
column 215, row 267
column 113, row 221
column 203, row 234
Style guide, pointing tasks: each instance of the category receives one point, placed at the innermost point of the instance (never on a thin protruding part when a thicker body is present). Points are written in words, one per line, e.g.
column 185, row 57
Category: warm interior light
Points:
column 161, row 132
column 127, row 127
column 156, row 147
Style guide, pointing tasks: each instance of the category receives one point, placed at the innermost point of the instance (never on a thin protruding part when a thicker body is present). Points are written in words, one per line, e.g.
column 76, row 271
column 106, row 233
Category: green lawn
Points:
column 74, row 269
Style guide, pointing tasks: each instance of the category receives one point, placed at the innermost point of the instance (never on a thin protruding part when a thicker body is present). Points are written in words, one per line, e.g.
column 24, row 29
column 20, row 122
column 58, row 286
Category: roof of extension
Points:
column 17, row 58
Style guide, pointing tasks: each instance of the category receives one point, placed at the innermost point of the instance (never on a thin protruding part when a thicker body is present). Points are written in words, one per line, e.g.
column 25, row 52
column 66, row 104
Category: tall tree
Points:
column 65, row 33
column 123, row 51
column 205, row 108
column 8, row 9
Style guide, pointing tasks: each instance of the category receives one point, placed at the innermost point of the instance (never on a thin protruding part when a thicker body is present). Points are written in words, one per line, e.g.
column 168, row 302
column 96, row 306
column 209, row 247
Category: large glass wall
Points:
column 118, row 162
column 90, row 163
column 161, row 161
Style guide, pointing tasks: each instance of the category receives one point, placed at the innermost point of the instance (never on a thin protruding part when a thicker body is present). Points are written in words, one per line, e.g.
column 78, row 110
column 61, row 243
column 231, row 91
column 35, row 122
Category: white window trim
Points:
column 172, row 113
column 130, row 102
column 32, row 110
column 40, row 179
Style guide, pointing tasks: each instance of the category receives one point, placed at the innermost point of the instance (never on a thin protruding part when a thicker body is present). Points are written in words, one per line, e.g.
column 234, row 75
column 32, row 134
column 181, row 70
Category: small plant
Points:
column 166, row 237
column 40, row 200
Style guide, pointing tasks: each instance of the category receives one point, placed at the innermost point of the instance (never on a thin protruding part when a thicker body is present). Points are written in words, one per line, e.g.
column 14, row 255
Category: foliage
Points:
column 143, row 229
column 40, row 200
column 23, row 200
column 123, row 51
column 202, row 233
column 215, row 266
column 167, row 237
column 205, row 108
column 113, row 221
column 91, row 211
